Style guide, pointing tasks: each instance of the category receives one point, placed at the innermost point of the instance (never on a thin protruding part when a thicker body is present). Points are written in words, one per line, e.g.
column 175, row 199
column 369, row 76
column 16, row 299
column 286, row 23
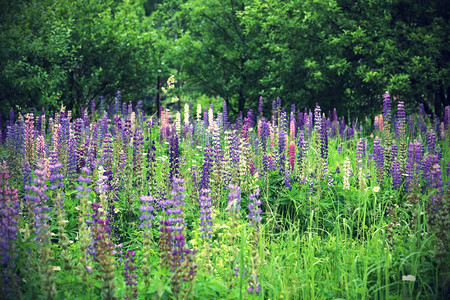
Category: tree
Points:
column 69, row 52
column 216, row 53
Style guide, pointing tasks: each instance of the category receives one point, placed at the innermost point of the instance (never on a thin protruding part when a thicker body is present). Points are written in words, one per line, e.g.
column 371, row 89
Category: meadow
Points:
column 278, row 204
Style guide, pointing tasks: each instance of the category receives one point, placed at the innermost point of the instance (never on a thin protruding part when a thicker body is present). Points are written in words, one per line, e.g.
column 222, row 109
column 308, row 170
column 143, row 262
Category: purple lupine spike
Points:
column 101, row 233
column 281, row 151
column 300, row 121
column 118, row 128
column 130, row 109
column 56, row 177
column 418, row 154
column 124, row 110
column 409, row 171
column 394, row 151
column 234, row 200
column 79, row 138
column 65, row 130
column 138, row 158
column 378, row 158
column 265, row 162
column 396, row 178
column 324, row 140
column 254, row 208
column 130, row 275
column 107, row 153
column 127, row 134
column 92, row 149
column 225, row 115
column 72, row 159
column 427, row 163
column 26, row 169
column 205, row 205
column 205, row 118
column 283, row 121
column 421, row 109
column 11, row 117
column 431, row 141
column 147, row 208
column 36, row 199
column 175, row 254
column 9, row 219
column 386, row 107
column 446, row 117
column 207, row 168
column 250, row 118
column 174, row 157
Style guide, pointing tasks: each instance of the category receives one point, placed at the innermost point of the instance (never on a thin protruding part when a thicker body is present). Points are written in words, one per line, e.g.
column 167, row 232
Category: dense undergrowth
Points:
column 190, row 206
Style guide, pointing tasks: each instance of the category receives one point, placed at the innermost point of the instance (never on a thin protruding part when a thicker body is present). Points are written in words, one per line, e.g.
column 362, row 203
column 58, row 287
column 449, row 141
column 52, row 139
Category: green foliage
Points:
column 69, row 52
column 339, row 53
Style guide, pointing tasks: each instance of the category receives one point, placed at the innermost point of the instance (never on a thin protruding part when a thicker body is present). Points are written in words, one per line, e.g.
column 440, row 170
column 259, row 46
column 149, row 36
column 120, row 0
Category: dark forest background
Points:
column 339, row 53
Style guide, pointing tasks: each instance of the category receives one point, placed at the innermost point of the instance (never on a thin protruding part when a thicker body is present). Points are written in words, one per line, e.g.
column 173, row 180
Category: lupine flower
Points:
column 265, row 132
column 281, row 149
column 323, row 140
column 394, row 151
column 72, row 159
column 103, row 249
column 348, row 172
column 205, row 205
column 186, row 113
column 254, row 208
column 396, row 179
column 151, row 164
column 127, row 133
column 401, row 118
column 317, row 121
column 130, row 275
column 9, row 217
column 207, row 167
column 80, row 144
column 138, row 158
column 234, row 200
column 378, row 159
column 174, row 251
column 36, row 199
column 84, row 231
column 174, row 157
column 29, row 139
column 292, row 155
column 386, row 108
column 360, row 152
column 147, row 208
column 431, row 141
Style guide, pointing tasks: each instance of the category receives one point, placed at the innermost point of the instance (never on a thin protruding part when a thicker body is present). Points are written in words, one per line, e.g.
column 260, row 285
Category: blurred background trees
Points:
column 339, row 53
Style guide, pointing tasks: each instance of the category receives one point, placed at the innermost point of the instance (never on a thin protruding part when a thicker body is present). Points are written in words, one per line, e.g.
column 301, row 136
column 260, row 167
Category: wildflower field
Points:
column 279, row 204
